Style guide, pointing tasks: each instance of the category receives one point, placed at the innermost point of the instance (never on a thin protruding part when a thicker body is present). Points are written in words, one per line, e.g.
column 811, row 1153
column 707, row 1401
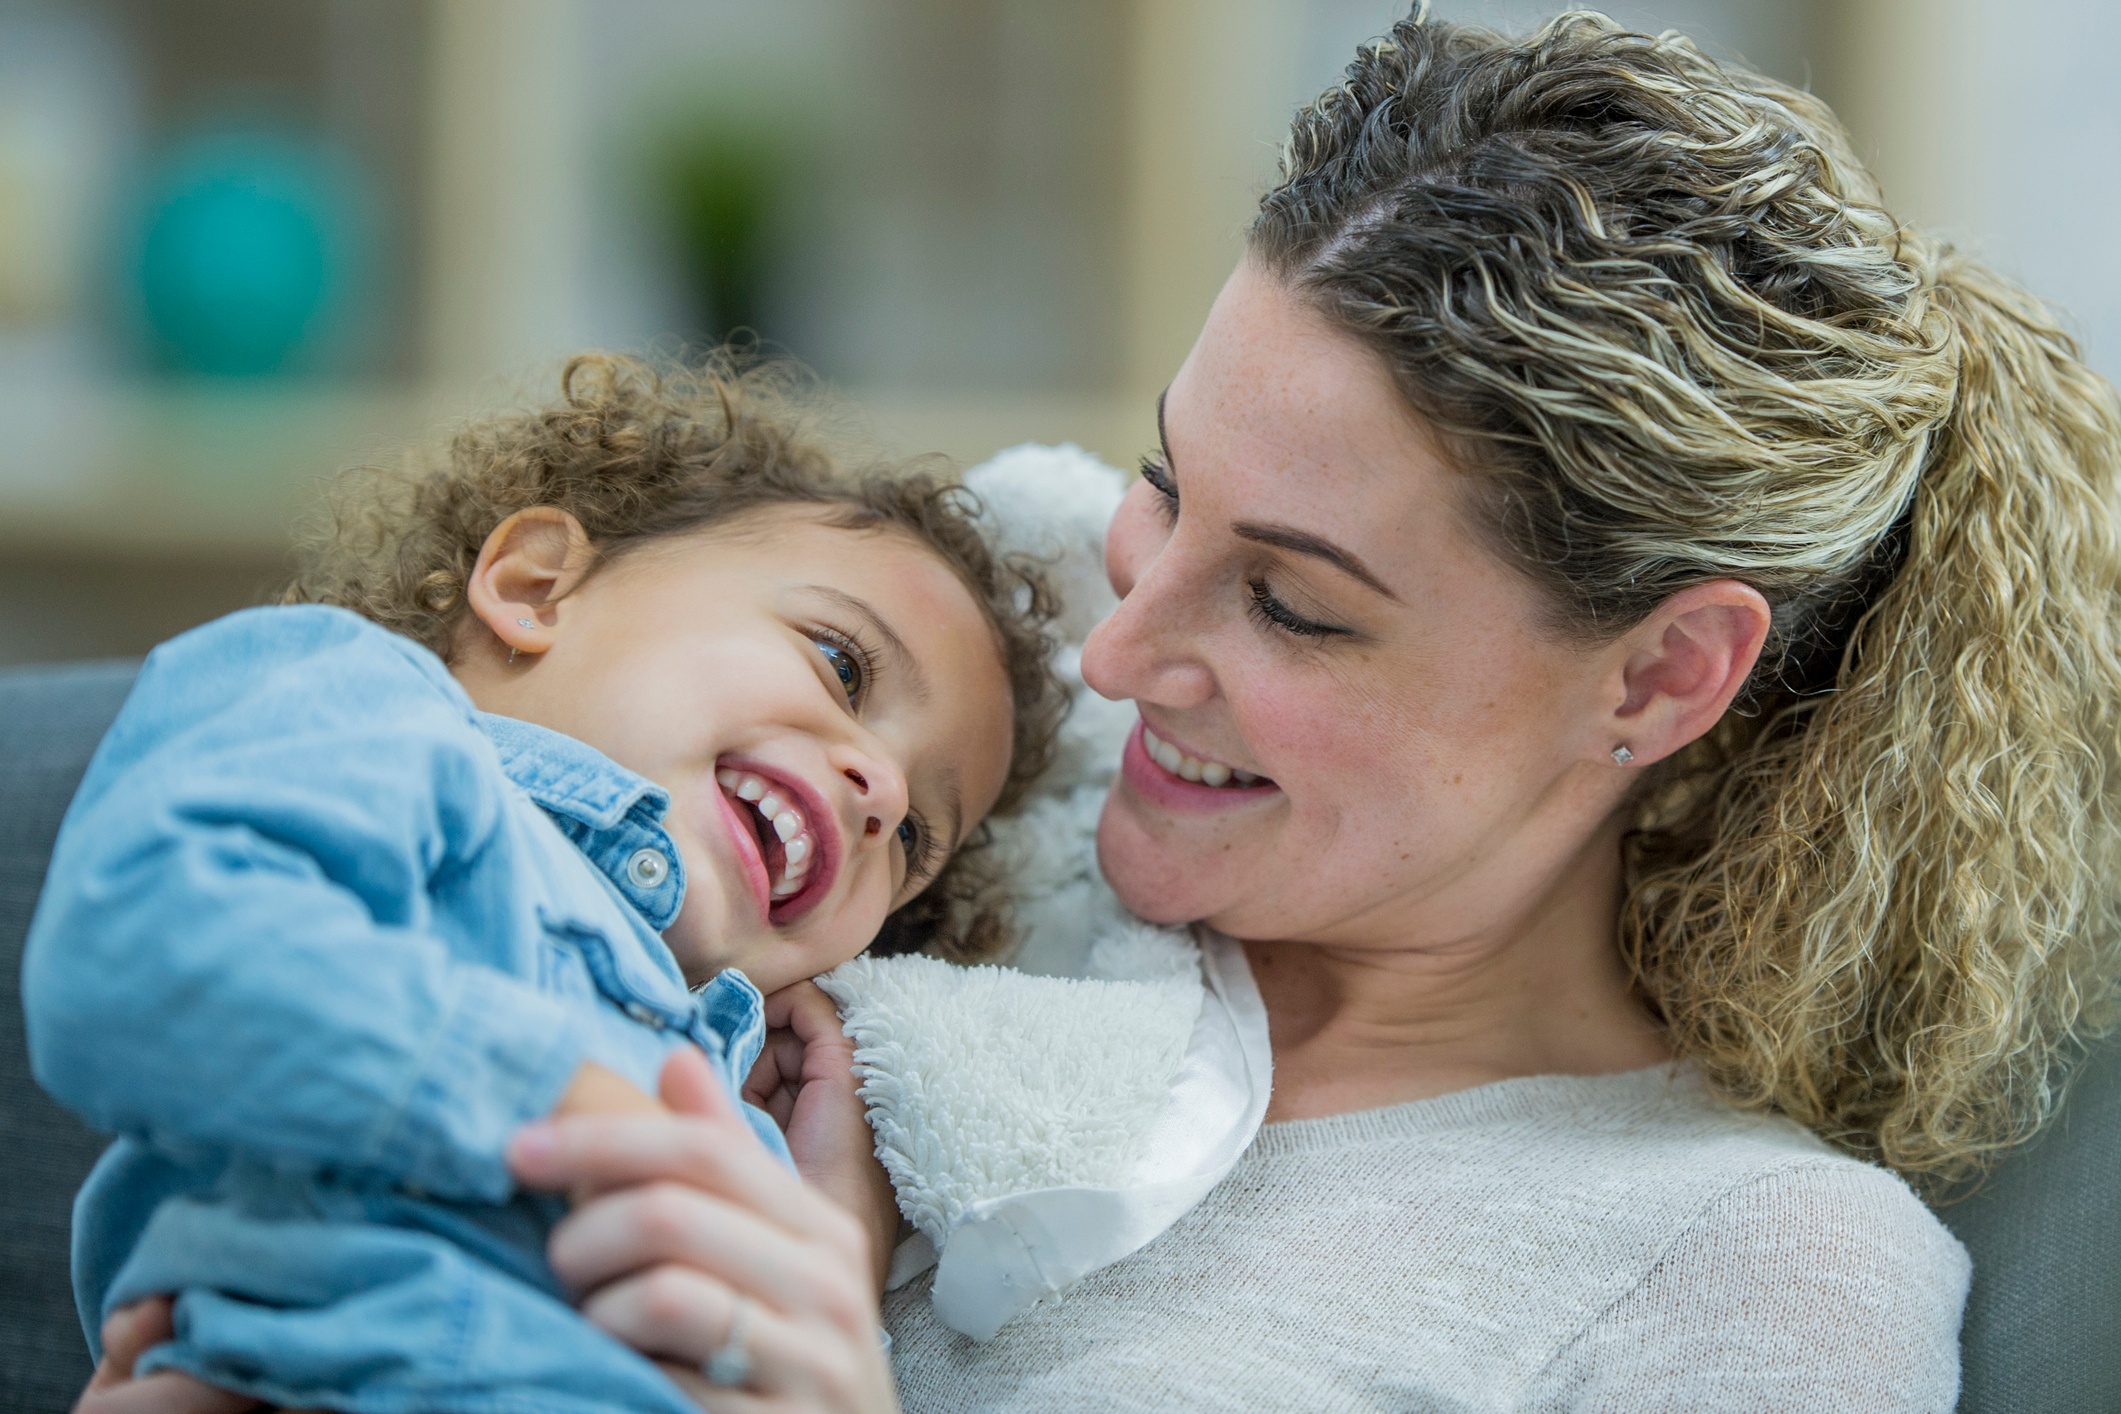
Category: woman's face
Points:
column 1302, row 601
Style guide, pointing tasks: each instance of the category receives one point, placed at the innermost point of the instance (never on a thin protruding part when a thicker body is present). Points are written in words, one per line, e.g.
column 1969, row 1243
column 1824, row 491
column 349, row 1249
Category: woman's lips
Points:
column 1161, row 787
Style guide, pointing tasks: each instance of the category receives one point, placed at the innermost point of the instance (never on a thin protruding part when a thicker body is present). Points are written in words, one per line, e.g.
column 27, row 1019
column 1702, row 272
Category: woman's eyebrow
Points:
column 916, row 680
column 1303, row 542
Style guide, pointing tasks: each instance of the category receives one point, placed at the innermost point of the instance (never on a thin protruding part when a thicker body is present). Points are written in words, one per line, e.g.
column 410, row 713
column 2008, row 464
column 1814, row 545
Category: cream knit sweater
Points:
column 1618, row 1242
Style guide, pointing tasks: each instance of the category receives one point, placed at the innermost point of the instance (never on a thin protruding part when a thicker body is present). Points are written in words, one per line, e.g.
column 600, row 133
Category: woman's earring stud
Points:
column 525, row 623
column 1621, row 756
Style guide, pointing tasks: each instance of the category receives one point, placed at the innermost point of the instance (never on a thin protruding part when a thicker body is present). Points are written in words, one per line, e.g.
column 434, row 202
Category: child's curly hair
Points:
column 637, row 453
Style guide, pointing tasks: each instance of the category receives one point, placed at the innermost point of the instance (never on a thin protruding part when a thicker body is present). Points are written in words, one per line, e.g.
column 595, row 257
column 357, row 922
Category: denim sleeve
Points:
column 235, row 949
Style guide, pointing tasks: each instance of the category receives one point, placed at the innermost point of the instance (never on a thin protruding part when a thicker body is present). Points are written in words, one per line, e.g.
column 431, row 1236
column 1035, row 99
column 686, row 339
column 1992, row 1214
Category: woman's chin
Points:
column 1156, row 882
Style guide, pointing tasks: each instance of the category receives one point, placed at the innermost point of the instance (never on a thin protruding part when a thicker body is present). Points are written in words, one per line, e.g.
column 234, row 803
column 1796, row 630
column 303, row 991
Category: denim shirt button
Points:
column 648, row 868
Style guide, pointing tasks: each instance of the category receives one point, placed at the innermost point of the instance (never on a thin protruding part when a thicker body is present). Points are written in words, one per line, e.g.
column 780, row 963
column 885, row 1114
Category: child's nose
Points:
column 879, row 795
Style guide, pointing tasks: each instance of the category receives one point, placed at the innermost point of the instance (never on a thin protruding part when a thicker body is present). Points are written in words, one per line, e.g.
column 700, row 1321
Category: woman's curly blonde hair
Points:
column 1662, row 314
column 638, row 453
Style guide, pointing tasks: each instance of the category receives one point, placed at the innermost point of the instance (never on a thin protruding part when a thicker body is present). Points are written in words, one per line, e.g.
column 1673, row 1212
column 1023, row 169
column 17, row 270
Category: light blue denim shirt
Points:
column 317, row 937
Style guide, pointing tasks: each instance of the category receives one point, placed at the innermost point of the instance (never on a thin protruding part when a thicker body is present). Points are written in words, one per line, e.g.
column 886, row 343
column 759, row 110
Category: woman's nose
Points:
column 1147, row 648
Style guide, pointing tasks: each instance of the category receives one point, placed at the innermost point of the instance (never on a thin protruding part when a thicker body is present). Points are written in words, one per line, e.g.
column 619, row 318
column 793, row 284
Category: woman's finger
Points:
column 718, row 1399
column 686, row 1318
column 683, row 1316
column 163, row 1392
column 645, row 1227
column 597, row 1155
column 688, row 1085
column 128, row 1333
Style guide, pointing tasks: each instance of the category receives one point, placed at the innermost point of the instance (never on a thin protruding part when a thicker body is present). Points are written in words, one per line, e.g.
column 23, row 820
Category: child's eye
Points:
column 913, row 837
column 847, row 666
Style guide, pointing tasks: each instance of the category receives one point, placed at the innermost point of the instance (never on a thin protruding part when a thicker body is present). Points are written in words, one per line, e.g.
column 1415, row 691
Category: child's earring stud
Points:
column 525, row 623
column 1621, row 755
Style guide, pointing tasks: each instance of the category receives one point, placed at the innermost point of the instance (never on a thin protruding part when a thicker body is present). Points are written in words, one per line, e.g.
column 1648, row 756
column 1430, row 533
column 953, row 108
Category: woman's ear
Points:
column 530, row 562
column 1676, row 672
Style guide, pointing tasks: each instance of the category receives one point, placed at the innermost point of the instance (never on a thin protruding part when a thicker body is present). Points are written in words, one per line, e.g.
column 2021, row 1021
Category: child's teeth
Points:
column 750, row 788
column 770, row 805
column 787, row 888
column 798, row 850
column 727, row 779
column 786, row 823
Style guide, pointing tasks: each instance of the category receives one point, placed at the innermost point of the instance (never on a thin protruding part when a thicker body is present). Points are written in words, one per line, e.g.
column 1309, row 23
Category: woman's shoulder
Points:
column 1795, row 1257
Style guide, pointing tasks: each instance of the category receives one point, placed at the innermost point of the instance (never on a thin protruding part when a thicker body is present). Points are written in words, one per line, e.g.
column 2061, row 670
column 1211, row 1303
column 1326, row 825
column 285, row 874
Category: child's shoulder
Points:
column 258, row 642
column 311, row 649
column 299, row 670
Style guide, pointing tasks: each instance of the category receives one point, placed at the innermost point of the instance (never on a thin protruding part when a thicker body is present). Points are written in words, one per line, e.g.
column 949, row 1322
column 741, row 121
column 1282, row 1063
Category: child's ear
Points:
column 532, row 561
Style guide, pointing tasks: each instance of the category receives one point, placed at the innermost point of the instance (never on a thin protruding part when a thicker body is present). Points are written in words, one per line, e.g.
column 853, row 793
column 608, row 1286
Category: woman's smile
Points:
column 1177, row 779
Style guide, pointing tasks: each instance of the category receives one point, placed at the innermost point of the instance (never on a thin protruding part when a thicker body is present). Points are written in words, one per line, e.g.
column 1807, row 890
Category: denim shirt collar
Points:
column 612, row 815
column 615, row 817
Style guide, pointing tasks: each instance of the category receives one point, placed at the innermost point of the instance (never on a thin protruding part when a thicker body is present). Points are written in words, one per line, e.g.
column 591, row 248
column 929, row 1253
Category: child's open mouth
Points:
column 787, row 842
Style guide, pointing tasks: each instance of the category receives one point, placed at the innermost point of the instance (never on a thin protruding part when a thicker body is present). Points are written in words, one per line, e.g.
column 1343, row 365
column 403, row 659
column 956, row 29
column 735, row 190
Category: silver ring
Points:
column 731, row 1365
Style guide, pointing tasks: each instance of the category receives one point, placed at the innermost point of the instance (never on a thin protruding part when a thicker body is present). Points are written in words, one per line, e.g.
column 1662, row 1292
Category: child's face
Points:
column 827, row 708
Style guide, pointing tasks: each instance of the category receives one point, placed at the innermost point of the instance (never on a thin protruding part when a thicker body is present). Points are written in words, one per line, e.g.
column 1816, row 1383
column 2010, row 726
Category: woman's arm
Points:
column 690, row 1242
column 681, row 1218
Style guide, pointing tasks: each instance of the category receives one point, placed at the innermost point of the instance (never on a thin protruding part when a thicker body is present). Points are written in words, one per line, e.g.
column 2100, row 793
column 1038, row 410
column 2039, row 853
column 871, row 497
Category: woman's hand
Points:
column 130, row 1332
column 805, row 1079
column 691, row 1242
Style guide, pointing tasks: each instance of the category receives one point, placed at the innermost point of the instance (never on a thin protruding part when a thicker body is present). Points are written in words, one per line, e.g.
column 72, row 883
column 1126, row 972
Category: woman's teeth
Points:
column 1207, row 773
column 787, row 822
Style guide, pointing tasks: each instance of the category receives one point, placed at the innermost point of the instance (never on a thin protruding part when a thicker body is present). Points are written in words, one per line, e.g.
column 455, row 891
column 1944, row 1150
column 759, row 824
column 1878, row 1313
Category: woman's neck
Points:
column 1357, row 1028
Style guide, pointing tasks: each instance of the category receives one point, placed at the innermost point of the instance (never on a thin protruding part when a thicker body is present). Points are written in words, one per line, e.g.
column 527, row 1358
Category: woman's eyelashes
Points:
column 1265, row 607
column 1158, row 474
column 1268, row 609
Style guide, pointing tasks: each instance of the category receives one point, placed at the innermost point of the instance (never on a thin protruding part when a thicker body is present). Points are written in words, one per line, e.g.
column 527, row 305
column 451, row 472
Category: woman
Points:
column 1671, row 608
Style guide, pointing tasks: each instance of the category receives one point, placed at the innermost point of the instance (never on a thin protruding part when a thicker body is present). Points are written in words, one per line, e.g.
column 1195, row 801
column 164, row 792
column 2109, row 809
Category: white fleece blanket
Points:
column 1043, row 1119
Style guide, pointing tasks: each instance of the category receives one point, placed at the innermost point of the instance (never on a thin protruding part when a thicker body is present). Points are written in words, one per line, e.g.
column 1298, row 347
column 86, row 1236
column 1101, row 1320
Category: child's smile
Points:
column 784, row 836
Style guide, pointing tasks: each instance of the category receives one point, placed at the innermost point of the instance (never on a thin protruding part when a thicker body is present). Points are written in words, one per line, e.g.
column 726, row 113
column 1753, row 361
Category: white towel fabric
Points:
column 1045, row 1119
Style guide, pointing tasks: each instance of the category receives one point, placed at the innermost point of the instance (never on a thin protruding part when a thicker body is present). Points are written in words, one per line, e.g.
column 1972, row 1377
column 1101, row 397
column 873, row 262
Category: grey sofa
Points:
column 2043, row 1326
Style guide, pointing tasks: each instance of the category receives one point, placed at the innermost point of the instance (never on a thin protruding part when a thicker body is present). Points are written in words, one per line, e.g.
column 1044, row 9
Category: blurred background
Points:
column 246, row 242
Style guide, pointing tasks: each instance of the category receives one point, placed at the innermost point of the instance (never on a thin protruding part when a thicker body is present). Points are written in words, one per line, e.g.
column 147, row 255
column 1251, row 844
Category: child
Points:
column 642, row 707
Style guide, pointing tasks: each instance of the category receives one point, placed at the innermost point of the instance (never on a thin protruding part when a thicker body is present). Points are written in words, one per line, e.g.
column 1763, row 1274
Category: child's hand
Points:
column 598, row 1090
column 805, row 1079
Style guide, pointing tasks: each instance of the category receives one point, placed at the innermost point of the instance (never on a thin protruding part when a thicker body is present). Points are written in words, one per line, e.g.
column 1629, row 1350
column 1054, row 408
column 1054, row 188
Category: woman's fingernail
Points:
column 533, row 1143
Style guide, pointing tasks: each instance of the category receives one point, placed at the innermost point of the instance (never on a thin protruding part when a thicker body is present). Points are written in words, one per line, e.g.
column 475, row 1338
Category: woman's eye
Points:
column 1159, row 478
column 845, row 666
column 1268, row 608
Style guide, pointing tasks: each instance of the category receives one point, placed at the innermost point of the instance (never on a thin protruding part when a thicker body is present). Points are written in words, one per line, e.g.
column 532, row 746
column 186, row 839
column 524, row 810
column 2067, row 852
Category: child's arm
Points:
column 234, row 949
column 805, row 1079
